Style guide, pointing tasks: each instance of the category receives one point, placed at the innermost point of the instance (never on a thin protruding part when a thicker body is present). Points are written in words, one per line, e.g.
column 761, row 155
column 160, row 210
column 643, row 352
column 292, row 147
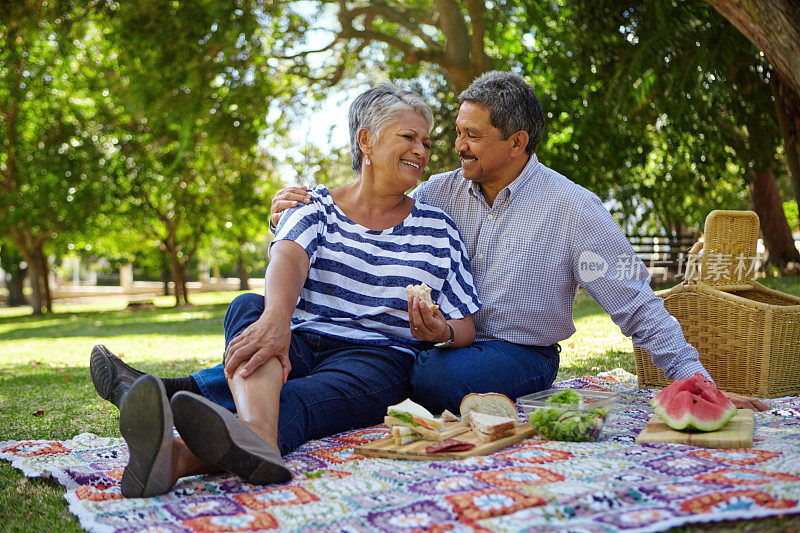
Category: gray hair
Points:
column 374, row 108
column 511, row 102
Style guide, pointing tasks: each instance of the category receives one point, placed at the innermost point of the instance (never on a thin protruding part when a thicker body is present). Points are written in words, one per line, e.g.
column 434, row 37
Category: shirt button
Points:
column 480, row 256
column 489, row 217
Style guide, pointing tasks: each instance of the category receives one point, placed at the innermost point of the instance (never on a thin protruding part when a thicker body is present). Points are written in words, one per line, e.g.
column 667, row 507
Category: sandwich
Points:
column 447, row 416
column 415, row 417
column 423, row 292
column 490, row 428
column 490, row 403
column 402, row 435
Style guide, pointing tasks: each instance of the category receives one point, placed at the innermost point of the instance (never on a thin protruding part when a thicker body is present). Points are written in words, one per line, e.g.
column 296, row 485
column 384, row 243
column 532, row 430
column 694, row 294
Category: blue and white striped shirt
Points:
column 543, row 236
column 356, row 282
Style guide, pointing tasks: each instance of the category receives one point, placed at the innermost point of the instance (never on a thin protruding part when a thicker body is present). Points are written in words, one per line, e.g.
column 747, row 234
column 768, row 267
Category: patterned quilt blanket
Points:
column 536, row 485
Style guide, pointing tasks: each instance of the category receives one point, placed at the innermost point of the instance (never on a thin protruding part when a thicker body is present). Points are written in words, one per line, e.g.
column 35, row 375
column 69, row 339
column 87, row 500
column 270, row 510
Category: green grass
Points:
column 46, row 392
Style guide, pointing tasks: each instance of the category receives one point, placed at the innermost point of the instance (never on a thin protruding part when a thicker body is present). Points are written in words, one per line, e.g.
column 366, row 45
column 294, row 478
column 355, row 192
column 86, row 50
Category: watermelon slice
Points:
column 693, row 403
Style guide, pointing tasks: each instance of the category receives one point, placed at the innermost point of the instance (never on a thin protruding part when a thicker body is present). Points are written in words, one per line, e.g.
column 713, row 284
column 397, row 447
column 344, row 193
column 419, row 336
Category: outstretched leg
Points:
column 112, row 378
column 246, row 445
column 157, row 460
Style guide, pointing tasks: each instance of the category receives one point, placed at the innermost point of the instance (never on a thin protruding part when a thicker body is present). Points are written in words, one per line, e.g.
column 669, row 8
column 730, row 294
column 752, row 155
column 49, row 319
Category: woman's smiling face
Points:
column 401, row 150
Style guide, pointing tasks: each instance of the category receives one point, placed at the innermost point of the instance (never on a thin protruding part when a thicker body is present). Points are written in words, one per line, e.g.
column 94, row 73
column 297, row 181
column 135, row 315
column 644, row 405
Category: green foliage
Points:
column 638, row 109
column 56, row 149
column 790, row 209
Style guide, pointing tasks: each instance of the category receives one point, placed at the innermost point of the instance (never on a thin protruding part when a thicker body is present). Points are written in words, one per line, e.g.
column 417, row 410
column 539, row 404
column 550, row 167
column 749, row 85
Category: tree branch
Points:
column 476, row 8
column 774, row 27
column 457, row 45
column 309, row 52
column 409, row 19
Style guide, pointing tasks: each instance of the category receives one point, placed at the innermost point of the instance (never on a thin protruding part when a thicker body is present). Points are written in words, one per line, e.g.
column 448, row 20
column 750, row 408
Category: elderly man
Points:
column 533, row 237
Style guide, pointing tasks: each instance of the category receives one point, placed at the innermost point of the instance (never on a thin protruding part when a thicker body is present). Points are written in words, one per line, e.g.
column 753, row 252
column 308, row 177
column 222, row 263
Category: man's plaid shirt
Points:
column 543, row 237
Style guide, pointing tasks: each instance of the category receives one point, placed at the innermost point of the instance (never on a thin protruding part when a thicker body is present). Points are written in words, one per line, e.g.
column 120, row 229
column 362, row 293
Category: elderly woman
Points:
column 332, row 342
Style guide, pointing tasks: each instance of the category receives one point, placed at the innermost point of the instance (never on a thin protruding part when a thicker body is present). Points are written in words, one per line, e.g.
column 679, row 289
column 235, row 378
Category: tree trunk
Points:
column 244, row 274
column 774, row 27
column 10, row 262
column 774, row 227
column 787, row 105
column 184, row 290
column 165, row 277
column 44, row 269
column 35, row 279
column 32, row 249
column 178, row 270
column 15, row 283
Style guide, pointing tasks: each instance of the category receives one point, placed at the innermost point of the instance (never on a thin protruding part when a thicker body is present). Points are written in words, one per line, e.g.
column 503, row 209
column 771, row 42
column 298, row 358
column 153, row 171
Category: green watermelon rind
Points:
column 703, row 391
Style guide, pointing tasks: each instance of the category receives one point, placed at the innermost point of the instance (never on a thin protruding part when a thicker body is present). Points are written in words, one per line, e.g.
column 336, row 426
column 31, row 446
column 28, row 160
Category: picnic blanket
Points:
column 537, row 485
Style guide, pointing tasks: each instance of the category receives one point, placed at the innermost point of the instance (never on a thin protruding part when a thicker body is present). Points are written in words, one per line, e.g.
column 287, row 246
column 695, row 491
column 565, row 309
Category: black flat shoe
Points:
column 219, row 438
column 111, row 377
column 145, row 421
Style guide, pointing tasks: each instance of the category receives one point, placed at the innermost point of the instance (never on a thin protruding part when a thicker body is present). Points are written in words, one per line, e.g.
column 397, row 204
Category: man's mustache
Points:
column 465, row 155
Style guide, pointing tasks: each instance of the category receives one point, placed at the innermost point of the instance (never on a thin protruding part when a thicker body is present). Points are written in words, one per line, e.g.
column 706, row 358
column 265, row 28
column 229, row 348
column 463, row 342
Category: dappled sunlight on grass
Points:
column 45, row 388
column 597, row 344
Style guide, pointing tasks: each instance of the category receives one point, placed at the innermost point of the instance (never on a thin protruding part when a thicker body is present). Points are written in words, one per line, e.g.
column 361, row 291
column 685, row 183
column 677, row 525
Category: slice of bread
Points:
column 491, row 403
column 490, row 424
column 404, row 435
column 484, row 437
column 447, row 416
column 423, row 292
column 490, row 428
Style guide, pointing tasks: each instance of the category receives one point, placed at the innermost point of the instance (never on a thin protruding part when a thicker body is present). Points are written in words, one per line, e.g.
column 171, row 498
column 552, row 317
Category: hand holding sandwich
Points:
column 427, row 324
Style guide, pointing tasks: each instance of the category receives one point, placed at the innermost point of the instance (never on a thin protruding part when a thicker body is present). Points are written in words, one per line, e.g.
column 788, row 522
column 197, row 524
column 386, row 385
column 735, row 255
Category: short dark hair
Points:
column 511, row 102
column 373, row 109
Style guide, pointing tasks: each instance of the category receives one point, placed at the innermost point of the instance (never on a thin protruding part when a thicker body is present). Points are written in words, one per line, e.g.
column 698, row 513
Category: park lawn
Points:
column 46, row 392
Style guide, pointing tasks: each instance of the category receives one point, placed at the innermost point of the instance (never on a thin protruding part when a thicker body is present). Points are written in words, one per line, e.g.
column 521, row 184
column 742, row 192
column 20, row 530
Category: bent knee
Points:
column 246, row 299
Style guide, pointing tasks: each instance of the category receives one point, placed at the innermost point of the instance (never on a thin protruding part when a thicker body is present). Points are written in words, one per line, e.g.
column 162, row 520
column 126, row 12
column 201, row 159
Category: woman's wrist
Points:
column 450, row 339
column 275, row 316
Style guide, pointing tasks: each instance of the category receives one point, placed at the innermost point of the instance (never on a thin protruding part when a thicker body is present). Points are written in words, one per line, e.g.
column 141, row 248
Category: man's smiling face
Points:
column 485, row 155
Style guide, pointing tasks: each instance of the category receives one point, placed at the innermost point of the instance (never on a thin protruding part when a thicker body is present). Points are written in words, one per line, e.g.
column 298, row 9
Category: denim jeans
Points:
column 441, row 378
column 333, row 385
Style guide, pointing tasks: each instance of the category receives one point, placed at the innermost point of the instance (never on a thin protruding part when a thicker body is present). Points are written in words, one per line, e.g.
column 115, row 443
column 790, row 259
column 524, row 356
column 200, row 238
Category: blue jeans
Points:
column 333, row 385
column 441, row 378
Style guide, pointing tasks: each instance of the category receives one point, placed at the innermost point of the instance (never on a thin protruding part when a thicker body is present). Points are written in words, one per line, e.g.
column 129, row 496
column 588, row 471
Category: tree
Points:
column 241, row 236
column 192, row 86
column 719, row 94
column 774, row 27
column 665, row 132
column 11, row 263
column 446, row 33
column 55, row 149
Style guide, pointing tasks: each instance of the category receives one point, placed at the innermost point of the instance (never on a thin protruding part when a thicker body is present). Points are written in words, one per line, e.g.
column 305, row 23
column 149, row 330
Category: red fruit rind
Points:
column 693, row 403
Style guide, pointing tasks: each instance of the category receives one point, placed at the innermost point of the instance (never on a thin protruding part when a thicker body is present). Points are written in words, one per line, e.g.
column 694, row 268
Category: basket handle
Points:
column 692, row 273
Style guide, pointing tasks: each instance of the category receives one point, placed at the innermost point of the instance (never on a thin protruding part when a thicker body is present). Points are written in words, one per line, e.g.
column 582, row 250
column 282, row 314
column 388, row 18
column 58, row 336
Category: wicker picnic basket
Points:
column 748, row 335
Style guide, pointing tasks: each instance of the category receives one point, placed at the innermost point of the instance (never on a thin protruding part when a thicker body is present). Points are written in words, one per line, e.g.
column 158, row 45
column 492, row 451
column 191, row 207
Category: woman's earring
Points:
column 368, row 162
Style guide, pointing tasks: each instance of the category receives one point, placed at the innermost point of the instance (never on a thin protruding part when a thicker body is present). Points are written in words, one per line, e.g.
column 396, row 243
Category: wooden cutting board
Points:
column 452, row 430
column 737, row 433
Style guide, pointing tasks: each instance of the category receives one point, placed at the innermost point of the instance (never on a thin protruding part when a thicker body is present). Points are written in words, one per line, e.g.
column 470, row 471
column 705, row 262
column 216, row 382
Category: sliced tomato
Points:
column 420, row 422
